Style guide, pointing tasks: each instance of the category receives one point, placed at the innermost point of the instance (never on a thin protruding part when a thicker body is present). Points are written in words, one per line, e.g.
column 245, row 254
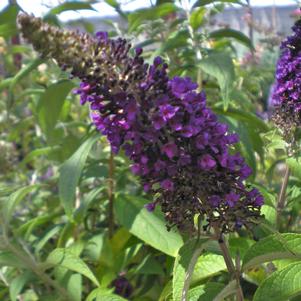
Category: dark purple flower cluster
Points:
column 287, row 90
column 183, row 155
column 178, row 147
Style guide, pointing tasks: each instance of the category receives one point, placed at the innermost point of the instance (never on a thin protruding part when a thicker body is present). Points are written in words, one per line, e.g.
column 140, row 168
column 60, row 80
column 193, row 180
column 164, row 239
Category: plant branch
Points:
column 31, row 264
column 111, row 194
column 282, row 195
column 229, row 263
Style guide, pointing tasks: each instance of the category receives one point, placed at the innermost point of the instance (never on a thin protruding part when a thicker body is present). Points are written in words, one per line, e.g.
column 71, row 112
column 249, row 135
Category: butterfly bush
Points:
column 183, row 155
column 287, row 88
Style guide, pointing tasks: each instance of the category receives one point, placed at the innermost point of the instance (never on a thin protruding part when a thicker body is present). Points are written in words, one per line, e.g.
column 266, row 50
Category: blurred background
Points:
column 274, row 13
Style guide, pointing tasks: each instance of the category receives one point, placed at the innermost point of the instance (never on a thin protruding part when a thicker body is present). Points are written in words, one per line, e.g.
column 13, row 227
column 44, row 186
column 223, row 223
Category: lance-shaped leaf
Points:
column 69, row 260
column 51, row 103
column 15, row 198
column 232, row 33
column 70, row 174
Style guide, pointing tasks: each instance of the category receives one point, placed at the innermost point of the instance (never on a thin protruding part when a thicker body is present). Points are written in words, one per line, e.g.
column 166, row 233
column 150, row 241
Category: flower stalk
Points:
column 233, row 271
column 111, row 194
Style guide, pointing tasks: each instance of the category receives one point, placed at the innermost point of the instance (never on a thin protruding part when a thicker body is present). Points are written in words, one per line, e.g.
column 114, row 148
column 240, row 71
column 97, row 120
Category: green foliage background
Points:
column 60, row 237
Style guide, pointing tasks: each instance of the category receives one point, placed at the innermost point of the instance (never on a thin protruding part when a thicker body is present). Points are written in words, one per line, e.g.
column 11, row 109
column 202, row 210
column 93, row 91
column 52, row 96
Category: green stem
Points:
column 282, row 195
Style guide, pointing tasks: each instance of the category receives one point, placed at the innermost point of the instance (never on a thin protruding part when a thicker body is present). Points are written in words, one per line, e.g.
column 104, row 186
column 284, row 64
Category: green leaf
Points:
column 149, row 227
column 295, row 166
column 81, row 212
column 101, row 294
column 8, row 15
column 51, row 103
column 70, row 5
column 220, row 66
column 18, row 284
column 208, row 265
column 39, row 152
column 276, row 246
column 206, row 2
column 232, row 33
column 70, row 174
column 43, row 240
column 205, row 292
column 149, row 266
column 184, row 267
column 8, row 30
column 281, row 285
column 269, row 213
column 14, row 199
column 228, row 290
column 67, row 259
column 8, row 259
column 249, row 118
column 174, row 41
column 74, row 287
column 197, row 17
column 139, row 16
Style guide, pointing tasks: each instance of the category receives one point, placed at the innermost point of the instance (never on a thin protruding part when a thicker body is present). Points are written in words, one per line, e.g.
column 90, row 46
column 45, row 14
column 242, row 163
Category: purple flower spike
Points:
column 286, row 96
column 177, row 146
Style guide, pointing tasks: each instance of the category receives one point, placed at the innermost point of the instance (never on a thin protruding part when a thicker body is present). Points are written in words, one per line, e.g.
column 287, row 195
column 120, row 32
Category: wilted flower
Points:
column 181, row 152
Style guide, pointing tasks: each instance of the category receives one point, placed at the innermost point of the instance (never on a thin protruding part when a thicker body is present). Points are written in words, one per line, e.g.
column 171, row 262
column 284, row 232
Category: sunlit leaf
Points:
column 208, row 265
column 197, row 17
column 149, row 227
